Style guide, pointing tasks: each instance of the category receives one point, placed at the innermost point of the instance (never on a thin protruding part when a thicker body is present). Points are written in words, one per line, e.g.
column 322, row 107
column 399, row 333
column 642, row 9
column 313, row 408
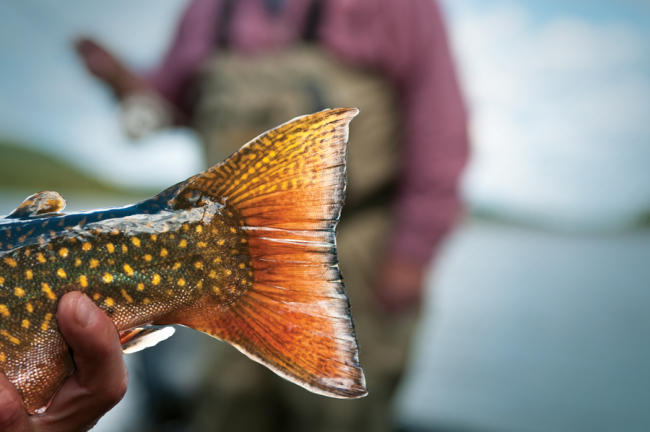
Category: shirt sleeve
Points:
column 406, row 40
column 191, row 45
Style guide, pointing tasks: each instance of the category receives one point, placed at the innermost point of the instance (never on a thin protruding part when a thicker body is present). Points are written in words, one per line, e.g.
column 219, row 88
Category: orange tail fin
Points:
column 287, row 186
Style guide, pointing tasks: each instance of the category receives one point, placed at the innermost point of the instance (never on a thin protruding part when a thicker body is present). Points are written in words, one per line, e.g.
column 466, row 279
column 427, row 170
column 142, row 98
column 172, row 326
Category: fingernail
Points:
column 83, row 311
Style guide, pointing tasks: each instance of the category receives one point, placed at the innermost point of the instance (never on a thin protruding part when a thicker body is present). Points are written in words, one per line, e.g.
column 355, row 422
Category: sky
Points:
column 558, row 91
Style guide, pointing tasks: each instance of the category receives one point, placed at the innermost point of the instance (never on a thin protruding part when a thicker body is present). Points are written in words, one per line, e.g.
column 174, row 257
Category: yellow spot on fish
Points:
column 233, row 230
column 111, row 261
column 170, row 292
column 198, row 265
column 46, row 322
column 147, row 257
column 242, row 265
column 217, row 260
column 3, row 357
column 29, row 275
column 110, row 247
column 25, row 323
column 19, row 292
column 181, row 282
column 156, row 279
column 86, row 246
column 96, row 296
column 135, row 241
column 63, row 252
column 199, row 229
column 107, row 278
column 243, row 240
column 41, row 259
column 124, row 249
column 28, row 252
column 4, row 310
column 154, row 237
column 10, row 262
column 176, row 266
column 2, row 280
column 128, row 269
column 216, row 289
column 212, row 274
column 29, row 307
column 77, row 262
column 108, row 301
column 140, row 286
column 228, row 272
column 61, row 273
column 94, row 263
column 163, row 252
column 221, row 242
column 45, row 287
column 201, row 244
column 14, row 340
column 186, row 227
column 182, row 243
column 126, row 296
column 83, row 281
column 146, row 300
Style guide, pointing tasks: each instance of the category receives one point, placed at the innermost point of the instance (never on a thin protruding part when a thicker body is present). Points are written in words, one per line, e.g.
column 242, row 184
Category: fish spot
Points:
column 28, row 252
column 3, row 357
column 201, row 244
column 198, row 265
column 83, row 281
column 108, row 301
column 45, row 287
column 140, row 286
column 2, row 280
column 181, row 282
column 154, row 237
column 46, row 322
column 170, row 292
column 19, row 292
column 182, row 243
column 128, row 269
column 107, row 278
column 25, row 323
column 126, row 296
column 125, row 249
column 147, row 257
column 96, row 296
column 199, row 229
column 186, row 227
column 217, row 260
column 10, row 262
column 163, row 252
column 233, row 230
column 14, row 340
column 29, row 307
column 40, row 258
column 94, row 263
column 176, row 265
column 135, row 241
column 63, row 252
column 216, row 289
column 4, row 310
column 242, row 265
column 212, row 274
column 110, row 247
column 77, row 262
column 146, row 300
column 111, row 261
column 61, row 273
column 221, row 242
column 155, row 279
column 86, row 246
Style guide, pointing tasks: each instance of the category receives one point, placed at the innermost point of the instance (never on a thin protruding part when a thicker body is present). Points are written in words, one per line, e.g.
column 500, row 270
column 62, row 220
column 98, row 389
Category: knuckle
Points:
column 114, row 393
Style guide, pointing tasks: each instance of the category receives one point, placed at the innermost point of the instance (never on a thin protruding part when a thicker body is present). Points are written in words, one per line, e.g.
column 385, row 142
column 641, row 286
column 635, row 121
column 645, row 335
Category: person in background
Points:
column 236, row 68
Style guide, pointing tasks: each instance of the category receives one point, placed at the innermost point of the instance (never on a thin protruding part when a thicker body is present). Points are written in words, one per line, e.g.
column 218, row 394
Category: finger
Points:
column 13, row 416
column 100, row 379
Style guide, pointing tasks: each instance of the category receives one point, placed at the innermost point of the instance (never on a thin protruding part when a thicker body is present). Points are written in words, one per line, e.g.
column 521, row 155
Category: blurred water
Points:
column 528, row 330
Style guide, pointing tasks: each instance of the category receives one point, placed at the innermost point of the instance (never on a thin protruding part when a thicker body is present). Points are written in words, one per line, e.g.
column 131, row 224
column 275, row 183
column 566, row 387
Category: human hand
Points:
column 99, row 381
column 105, row 66
column 398, row 287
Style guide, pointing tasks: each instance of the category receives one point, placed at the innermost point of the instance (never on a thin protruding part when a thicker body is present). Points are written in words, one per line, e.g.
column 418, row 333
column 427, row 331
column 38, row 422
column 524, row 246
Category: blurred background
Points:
column 535, row 310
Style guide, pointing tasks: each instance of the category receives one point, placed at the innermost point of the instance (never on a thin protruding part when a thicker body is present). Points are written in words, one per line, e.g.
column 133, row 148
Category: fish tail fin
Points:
column 286, row 189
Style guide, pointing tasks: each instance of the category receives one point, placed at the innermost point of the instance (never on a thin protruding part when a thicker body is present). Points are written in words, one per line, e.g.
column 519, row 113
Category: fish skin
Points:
column 191, row 256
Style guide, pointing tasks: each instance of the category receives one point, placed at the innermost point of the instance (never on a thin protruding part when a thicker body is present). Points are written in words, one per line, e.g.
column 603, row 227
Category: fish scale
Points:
column 244, row 251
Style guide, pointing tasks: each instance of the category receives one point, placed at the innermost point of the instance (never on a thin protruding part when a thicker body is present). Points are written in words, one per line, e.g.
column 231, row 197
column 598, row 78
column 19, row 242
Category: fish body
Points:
column 244, row 251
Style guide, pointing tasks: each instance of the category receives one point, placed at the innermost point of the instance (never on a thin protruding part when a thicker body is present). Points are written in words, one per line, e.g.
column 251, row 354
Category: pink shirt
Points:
column 405, row 40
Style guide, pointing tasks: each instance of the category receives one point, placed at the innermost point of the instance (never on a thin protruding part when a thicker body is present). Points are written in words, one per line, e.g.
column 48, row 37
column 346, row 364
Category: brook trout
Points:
column 244, row 251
